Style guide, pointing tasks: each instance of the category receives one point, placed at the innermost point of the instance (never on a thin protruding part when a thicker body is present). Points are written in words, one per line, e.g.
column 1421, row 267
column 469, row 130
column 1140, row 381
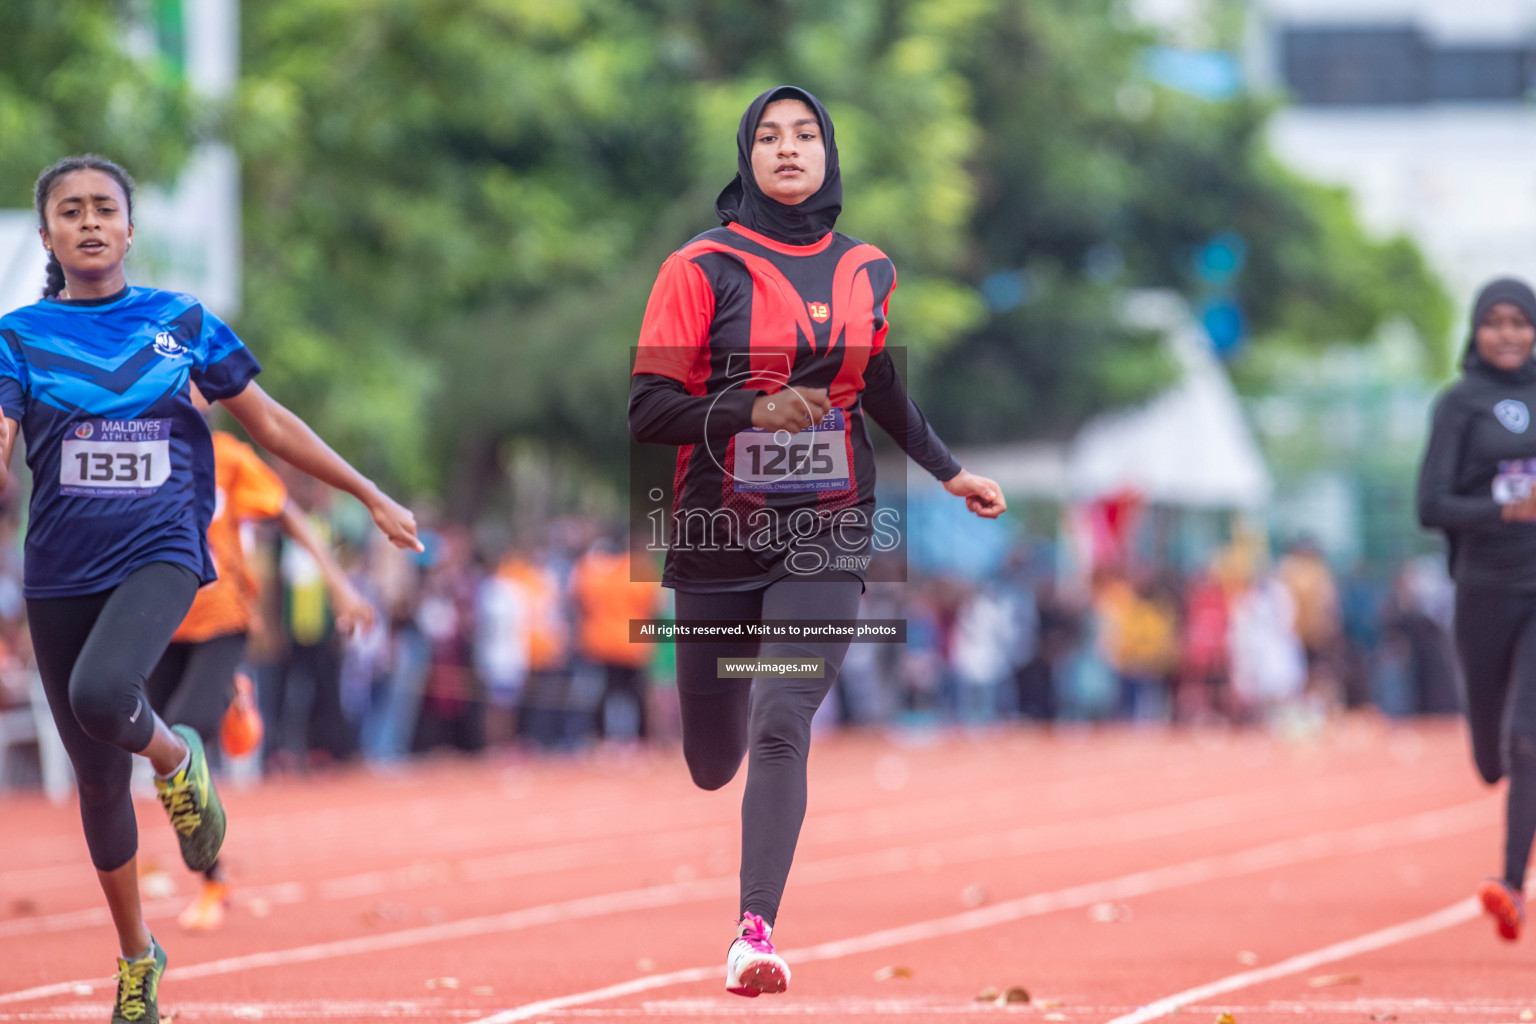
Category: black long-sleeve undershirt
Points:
column 886, row 400
column 661, row 411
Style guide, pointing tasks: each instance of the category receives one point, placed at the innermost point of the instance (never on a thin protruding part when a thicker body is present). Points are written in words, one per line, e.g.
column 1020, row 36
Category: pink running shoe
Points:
column 751, row 965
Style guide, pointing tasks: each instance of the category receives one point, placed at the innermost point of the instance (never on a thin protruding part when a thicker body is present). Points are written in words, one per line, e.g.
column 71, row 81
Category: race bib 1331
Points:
column 115, row 458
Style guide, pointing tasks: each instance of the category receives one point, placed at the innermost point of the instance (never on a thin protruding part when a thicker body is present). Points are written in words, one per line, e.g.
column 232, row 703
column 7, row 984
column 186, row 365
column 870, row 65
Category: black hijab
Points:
column 742, row 202
column 1503, row 289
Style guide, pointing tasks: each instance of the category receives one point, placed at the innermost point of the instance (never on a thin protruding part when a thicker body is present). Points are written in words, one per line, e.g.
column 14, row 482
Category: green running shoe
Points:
column 138, row 987
column 196, row 814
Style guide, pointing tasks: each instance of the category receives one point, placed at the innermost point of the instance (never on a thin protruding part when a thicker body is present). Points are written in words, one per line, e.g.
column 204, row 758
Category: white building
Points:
column 1423, row 109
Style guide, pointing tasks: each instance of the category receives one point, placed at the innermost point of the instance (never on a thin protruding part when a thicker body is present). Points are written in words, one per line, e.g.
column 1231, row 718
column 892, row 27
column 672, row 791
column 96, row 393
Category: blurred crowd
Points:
column 477, row 644
column 1244, row 641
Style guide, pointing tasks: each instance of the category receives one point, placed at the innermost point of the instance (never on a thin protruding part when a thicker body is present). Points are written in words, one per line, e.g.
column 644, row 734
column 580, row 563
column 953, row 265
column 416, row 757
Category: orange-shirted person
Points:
column 196, row 679
column 542, row 708
column 606, row 599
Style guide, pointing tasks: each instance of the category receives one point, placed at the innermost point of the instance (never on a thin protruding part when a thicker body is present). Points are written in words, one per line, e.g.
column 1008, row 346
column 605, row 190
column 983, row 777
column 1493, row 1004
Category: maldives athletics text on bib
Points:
column 115, row 458
column 815, row 459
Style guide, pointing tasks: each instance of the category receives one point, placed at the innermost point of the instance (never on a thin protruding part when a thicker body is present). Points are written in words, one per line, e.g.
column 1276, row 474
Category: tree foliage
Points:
column 78, row 76
column 454, row 209
column 1092, row 179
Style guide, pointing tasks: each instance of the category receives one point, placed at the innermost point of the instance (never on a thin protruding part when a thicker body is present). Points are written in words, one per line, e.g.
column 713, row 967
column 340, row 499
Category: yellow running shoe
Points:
column 138, row 987
column 193, row 806
column 206, row 913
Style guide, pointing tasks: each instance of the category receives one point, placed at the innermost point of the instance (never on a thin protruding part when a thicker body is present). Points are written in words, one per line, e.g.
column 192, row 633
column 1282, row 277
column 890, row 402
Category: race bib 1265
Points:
column 115, row 458
column 815, row 459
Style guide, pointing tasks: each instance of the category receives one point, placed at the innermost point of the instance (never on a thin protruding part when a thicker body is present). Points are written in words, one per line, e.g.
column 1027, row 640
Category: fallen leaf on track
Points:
column 1329, row 980
column 1225, row 1018
column 1109, row 913
column 384, row 913
column 887, row 973
column 442, row 983
column 1016, row 994
column 1383, row 1016
column 1527, row 1015
column 987, row 995
column 973, row 896
column 22, row 906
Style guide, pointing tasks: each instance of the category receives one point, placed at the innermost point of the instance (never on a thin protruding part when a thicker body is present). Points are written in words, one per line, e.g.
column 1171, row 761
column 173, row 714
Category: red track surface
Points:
column 1101, row 871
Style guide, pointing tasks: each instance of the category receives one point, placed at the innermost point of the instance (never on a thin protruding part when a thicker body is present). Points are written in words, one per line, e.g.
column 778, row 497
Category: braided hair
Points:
column 45, row 182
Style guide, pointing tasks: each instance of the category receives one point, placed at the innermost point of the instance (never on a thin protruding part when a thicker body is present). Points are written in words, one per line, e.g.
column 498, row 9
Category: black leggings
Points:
column 94, row 653
column 1496, row 642
column 771, row 716
column 194, row 683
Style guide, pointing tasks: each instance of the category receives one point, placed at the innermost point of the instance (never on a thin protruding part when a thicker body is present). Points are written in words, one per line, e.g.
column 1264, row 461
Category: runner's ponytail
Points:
column 45, row 181
column 55, row 283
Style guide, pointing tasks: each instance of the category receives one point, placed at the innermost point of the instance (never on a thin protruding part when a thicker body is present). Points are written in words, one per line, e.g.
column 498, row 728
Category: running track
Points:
column 1117, row 876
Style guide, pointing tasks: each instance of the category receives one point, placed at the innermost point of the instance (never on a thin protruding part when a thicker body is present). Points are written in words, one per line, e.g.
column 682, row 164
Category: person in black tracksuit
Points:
column 1476, row 486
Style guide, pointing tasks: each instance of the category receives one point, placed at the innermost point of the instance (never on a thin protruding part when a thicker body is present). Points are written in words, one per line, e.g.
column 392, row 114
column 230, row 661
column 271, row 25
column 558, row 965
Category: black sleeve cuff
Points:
column 227, row 377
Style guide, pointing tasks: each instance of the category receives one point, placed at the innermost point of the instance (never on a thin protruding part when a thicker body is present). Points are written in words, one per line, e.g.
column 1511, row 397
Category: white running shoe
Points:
column 751, row 965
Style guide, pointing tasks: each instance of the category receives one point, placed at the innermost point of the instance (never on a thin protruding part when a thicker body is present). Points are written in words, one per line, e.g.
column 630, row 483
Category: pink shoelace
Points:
column 754, row 933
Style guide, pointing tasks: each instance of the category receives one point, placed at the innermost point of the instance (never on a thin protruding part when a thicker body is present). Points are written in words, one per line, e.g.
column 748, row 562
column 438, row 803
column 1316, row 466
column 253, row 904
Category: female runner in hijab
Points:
column 761, row 354
column 1476, row 485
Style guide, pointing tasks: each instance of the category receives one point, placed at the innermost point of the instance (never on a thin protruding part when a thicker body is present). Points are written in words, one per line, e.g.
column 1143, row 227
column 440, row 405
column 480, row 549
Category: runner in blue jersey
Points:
column 97, row 376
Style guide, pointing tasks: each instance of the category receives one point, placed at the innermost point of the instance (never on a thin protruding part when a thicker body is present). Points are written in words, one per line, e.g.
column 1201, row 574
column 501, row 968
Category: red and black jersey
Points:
column 734, row 314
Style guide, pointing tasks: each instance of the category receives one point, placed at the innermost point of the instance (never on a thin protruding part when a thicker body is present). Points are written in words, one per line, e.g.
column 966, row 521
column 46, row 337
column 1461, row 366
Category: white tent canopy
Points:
column 1190, row 446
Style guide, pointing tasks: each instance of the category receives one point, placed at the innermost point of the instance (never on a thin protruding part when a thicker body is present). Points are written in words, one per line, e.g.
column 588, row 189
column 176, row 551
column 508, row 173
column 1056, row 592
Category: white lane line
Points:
column 259, row 837
column 1134, row 826
column 516, row 920
column 1148, row 823
column 1457, row 913
column 306, row 1010
column 1400, row 831
column 313, row 1009
column 1286, row 853
column 512, row 858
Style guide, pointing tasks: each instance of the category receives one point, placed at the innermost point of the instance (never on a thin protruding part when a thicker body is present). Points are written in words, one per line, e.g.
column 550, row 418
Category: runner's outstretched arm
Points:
column 282, row 433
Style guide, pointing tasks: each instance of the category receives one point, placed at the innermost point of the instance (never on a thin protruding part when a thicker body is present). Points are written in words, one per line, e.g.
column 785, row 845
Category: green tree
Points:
column 85, row 76
column 1093, row 179
column 457, row 207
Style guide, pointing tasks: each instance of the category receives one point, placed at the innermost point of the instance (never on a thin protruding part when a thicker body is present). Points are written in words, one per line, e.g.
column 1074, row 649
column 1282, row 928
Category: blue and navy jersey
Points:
column 122, row 464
